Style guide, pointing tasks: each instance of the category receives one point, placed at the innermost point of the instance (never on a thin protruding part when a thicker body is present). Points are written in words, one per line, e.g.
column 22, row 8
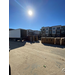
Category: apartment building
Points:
column 43, row 31
column 62, row 31
column 58, row 31
column 54, row 31
column 50, row 31
column 47, row 31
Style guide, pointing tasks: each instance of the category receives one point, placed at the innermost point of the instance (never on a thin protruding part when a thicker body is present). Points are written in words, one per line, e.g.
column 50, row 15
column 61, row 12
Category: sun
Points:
column 30, row 13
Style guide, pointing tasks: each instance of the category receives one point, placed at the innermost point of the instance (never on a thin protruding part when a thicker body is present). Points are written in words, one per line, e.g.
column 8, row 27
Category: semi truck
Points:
column 17, row 34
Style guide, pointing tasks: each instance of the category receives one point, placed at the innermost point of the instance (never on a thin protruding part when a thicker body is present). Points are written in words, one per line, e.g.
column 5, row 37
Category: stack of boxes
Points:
column 52, row 40
column 32, row 38
column 58, row 41
column 29, row 38
column 54, row 31
column 43, row 40
column 36, row 38
column 63, row 41
column 46, row 40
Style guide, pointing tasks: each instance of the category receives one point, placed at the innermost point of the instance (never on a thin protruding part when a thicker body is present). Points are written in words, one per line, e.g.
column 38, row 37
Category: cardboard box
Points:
column 33, row 38
column 41, row 40
column 63, row 41
column 49, row 40
column 29, row 38
column 46, row 40
column 58, row 41
column 36, row 38
column 52, row 40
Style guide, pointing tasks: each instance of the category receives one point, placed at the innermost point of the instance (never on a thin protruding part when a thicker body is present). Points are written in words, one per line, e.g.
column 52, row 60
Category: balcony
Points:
column 62, row 28
column 50, row 32
column 43, row 31
column 47, row 32
column 50, row 28
column 62, row 32
column 58, row 33
column 58, row 29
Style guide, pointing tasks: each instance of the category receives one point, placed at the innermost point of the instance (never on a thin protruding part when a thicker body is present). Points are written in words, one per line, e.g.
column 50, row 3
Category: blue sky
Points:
column 45, row 13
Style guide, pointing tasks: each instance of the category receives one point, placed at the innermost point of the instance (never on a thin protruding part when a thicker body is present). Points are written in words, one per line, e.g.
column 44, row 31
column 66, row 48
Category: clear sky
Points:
column 45, row 13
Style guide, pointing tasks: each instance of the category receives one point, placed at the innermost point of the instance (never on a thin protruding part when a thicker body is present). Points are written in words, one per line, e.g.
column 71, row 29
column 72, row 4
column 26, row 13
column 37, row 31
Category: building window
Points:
column 46, row 28
column 53, row 31
column 46, row 31
column 53, row 28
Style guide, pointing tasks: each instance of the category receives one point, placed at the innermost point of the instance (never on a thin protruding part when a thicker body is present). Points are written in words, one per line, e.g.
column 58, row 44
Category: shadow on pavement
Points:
column 16, row 44
column 53, row 45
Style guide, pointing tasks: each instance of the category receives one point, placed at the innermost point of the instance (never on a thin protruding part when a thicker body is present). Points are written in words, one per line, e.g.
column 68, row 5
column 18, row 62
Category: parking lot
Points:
column 26, row 58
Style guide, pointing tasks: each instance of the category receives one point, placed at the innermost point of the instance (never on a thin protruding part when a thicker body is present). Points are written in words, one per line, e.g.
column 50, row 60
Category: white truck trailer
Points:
column 18, row 34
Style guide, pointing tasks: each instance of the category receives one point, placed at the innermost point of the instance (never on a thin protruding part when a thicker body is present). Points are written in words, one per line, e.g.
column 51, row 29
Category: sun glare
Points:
column 30, row 13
